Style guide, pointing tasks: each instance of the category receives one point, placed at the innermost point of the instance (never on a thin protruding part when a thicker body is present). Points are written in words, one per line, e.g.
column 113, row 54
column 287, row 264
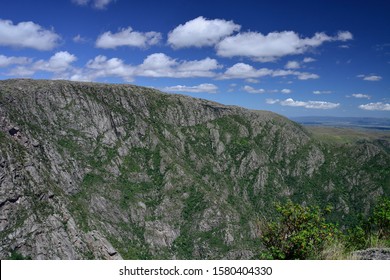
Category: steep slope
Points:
column 119, row 171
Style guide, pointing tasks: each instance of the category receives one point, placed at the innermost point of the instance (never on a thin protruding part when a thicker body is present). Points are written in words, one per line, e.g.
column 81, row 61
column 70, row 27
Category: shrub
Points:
column 17, row 256
column 300, row 233
column 357, row 238
column 381, row 218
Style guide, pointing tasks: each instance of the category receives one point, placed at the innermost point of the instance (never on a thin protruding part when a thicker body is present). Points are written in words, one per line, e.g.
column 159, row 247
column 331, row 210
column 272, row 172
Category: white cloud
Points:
column 59, row 63
column 252, row 81
column 102, row 67
column 308, row 60
column 253, row 90
column 246, row 71
column 201, row 32
column 292, row 65
column 12, row 60
column 207, row 88
column 300, row 75
column 307, row 76
column 272, row 101
column 378, row 106
column 79, row 39
column 98, row 4
column 81, row 2
column 371, row 78
column 155, row 65
column 27, row 35
column 360, row 95
column 101, row 4
column 306, row 104
column 322, row 91
column 161, row 65
column 21, row 71
column 273, row 45
column 127, row 37
column 344, row 36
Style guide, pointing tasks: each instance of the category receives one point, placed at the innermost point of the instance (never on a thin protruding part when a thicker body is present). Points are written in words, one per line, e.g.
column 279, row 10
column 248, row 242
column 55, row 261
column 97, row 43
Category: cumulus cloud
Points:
column 102, row 67
column 361, row 95
column 252, row 81
column 207, row 88
column 97, row 4
column 371, row 78
column 27, row 35
column 157, row 65
column 272, row 101
column 253, row 90
column 201, row 32
column 161, row 65
column 59, row 63
column 322, row 92
column 306, row 76
column 344, row 36
column 79, row 39
column 260, row 90
column 292, row 65
column 308, row 60
column 306, row 104
column 378, row 106
column 273, row 45
column 246, row 71
column 6, row 61
column 127, row 37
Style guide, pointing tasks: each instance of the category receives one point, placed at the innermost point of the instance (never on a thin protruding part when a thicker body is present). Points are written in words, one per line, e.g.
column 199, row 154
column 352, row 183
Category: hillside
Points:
column 102, row 171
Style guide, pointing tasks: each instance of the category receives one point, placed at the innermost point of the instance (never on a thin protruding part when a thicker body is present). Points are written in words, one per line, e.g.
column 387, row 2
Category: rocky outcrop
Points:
column 103, row 171
column 373, row 254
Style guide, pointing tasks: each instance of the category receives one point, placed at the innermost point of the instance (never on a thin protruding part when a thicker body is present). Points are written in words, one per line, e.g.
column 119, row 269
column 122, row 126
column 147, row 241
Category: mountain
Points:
column 91, row 170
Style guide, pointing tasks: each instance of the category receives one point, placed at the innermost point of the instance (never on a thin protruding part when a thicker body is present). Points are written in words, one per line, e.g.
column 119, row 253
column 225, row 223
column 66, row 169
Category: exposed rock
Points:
column 373, row 254
column 101, row 171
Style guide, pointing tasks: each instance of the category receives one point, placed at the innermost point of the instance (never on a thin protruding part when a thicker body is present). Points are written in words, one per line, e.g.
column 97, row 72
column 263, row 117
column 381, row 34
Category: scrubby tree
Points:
column 381, row 218
column 300, row 232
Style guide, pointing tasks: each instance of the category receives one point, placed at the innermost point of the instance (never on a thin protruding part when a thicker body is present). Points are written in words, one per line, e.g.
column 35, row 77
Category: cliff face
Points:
column 119, row 171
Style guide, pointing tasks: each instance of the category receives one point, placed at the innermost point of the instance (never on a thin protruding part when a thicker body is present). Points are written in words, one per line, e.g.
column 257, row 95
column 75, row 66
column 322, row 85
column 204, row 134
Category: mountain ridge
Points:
column 90, row 170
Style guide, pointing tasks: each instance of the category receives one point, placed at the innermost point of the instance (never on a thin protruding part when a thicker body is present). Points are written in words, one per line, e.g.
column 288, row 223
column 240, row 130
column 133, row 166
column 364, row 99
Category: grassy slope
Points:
column 337, row 135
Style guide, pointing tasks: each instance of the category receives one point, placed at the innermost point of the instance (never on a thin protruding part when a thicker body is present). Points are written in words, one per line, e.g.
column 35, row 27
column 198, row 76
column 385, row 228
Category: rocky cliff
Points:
column 118, row 171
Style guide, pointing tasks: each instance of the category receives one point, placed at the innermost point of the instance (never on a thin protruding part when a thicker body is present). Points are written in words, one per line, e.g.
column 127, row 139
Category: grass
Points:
column 337, row 135
column 336, row 251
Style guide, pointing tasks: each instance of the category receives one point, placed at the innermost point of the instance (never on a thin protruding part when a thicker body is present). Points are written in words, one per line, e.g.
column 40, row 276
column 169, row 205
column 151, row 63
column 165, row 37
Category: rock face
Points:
column 373, row 254
column 119, row 171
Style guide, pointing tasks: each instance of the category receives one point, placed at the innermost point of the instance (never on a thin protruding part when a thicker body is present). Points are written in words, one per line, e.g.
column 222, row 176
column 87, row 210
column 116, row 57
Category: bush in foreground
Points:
column 300, row 233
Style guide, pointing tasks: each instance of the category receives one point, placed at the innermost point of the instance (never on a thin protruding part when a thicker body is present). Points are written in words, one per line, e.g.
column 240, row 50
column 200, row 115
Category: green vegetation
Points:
column 17, row 256
column 118, row 159
column 302, row 232
column 338, row 135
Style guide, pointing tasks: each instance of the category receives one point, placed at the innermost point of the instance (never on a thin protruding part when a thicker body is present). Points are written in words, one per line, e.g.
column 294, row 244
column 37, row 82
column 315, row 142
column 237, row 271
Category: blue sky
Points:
column 296, row 58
